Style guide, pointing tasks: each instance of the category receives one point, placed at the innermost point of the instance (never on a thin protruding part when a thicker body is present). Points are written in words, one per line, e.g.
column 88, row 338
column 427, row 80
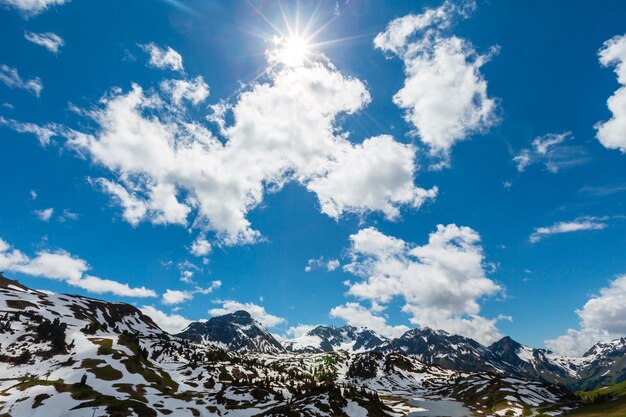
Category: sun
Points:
column 295, row 42
column 293, row 51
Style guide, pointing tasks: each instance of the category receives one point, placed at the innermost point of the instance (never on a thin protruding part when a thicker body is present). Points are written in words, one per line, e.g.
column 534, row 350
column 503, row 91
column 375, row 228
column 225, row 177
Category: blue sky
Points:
column 227, row 124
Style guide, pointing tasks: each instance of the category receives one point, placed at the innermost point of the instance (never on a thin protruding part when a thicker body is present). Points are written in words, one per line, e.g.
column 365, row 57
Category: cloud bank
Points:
column 441, row 282
column 444, row 94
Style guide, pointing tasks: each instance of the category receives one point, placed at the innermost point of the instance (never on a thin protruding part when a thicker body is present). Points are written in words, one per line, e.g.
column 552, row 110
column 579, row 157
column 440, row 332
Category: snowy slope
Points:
column 62, row 354
column 236, row 331
column 331, row 338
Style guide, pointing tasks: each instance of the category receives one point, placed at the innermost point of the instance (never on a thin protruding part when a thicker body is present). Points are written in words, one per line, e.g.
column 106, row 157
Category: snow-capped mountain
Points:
column 603, row 364
column 61, row 354
column 236, row 331
column 540, row 363
column 449, row 351
column 331, row 338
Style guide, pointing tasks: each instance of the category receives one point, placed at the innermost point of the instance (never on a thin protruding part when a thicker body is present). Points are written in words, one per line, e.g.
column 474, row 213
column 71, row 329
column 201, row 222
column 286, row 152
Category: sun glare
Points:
column 293, row 51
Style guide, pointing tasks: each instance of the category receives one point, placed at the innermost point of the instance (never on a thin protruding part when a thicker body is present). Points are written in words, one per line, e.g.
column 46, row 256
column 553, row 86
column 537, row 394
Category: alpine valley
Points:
column 64, row 355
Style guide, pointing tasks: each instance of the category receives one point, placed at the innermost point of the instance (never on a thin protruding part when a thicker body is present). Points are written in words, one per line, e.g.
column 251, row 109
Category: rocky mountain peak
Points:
column 234, row 331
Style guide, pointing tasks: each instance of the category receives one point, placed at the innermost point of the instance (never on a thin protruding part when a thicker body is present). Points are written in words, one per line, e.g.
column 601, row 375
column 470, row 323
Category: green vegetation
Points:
column 139, row 364
column 53, row 332
column 607, row 401
column 326, row 369
column 105, row 346
column 106, row 373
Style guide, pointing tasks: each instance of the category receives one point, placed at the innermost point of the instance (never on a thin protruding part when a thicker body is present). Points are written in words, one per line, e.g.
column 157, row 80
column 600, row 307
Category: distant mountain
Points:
column 236, row 331
column 331, row 338
column 603, row 364
column 438, row 347
column 539, row 363
column 70, row 355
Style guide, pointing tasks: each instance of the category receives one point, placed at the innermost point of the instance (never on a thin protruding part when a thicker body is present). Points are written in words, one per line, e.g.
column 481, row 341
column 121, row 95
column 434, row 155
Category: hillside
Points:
column 607, row 401
column 62, row 354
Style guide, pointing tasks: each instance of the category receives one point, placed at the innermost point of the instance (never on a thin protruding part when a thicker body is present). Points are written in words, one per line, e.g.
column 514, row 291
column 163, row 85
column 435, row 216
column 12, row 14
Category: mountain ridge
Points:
column 62, row 353
column 604, row 363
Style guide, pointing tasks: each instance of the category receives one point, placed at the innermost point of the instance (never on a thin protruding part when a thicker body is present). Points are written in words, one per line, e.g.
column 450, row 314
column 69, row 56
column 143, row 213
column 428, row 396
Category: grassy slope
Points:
column 615, row 406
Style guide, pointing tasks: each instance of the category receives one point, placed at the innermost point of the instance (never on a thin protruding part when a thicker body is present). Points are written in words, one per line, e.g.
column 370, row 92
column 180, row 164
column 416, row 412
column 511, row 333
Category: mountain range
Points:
column 603, row 364
column 62, row 354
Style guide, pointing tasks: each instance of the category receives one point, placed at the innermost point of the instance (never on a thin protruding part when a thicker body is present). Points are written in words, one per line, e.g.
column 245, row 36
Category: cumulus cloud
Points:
column 444, row 93
column 612, row 133
column 44, row 134
column 173, row 297
column 256, row 311
column 63, row 266
column 51, row 41
column 321, row 263
column 440, row 282
column 602, row 318
column 195, row 91
column 101, row 286
column 376, row 175
column 200, row 246
column 357, row 315
column 163, row 58
column 171, row 323
column 12, row 79
column 170, row 169
column 294, row 332
column 31, row 7
column 577, row 225
column 44, row 215
column 549, row 151
column 56, row 265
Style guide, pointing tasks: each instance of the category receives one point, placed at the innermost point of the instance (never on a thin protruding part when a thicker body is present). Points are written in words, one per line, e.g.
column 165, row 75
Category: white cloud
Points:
column 212, row 287
column 170, row 169
column 68, row 215
column 56, row 265
column 63, row 266
column 440, row 282
column 196, row 90
column 300, row 330
column 612, row 133
column 174, row 323
column 51, row 41
column 332, row 264
column 43, row 133
column 376, row 175
column 44, row 215
column 444, row 94
column 357, row 315
column 321, row 263
column 578, row 225
column 549, row 151
column 163, row 58
column 11, row 78
column 134, row 208
column 101, row 286
column 602, row 318
column 31, row 7
column 172, row 297
column 200, row 246
column 186, row 276
column 256, row 311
